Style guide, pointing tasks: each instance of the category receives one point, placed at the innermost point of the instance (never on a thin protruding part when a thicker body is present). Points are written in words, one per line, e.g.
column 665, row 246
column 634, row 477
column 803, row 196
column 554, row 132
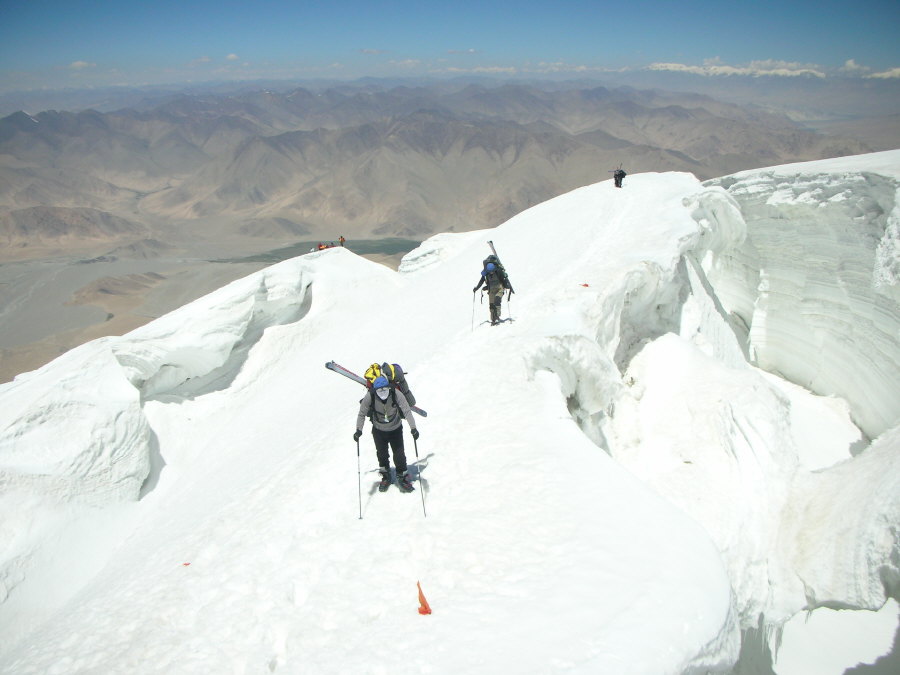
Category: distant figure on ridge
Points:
column 341, row 240
column 495, row 281
column 618, row 176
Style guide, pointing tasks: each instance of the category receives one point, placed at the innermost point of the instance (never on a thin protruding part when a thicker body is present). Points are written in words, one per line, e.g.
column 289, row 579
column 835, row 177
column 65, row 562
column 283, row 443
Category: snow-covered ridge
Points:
column 204, row 343
column 80, row 421
column 74, row 434
column 611, row 458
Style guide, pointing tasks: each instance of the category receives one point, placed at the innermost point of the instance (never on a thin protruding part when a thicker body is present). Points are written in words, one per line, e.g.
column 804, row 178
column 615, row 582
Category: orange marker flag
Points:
column 424, row 608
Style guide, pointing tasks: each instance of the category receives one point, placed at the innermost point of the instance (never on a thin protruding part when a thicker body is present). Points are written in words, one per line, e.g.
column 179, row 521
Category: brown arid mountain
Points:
column 405, row 161
column 63, row 229
column 109, row 219
column 410, row 176
column 881, row 132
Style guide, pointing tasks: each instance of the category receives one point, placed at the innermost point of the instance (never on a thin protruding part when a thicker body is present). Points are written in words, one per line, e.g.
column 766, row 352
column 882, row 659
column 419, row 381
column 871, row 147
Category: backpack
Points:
column 500, row 271
column 395, row 375
column 491, row 259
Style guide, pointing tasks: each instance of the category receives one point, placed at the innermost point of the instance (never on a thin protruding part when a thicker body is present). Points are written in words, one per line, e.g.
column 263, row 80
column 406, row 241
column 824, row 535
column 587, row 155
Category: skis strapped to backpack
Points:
column 331, row 365
column 395, row 376
column 500, row 264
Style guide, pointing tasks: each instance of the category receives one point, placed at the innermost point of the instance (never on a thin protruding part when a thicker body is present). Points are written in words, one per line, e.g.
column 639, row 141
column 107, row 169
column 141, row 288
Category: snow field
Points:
column 609, row 486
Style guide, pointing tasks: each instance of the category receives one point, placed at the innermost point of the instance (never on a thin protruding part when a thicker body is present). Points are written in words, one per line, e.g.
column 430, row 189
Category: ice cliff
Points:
column 816, row 282
column 795, row 273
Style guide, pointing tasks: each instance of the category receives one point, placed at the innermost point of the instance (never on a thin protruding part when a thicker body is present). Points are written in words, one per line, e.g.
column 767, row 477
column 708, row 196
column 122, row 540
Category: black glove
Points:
column 356, row 435
column 475, row 290
column 415, row 434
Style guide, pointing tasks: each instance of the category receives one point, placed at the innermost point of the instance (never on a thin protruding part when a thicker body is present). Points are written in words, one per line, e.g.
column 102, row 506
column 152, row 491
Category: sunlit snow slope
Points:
column 610, row 485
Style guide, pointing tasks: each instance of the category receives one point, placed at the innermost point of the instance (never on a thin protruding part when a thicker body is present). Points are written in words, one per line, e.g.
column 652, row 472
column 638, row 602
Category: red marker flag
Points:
column 424, row 608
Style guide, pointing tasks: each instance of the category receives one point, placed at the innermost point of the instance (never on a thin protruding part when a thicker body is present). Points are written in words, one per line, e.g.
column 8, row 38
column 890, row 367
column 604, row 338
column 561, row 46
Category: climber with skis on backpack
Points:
column 395, row 375
column 496, row 282
column 386, row 407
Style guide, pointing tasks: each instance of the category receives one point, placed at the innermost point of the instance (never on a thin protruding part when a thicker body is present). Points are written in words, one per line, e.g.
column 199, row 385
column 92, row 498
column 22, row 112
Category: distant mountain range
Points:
column 362, row 161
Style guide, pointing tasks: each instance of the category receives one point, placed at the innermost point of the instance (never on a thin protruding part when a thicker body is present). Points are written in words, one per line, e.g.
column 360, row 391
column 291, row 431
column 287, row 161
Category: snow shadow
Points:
column 648, row 303
column 588, row 379
column 222, row 376
column 889, row 664
column 416, row 472
column 175, row 382
column 417, row 468
column 756, row 654
column 651, row 307
column 157, row 464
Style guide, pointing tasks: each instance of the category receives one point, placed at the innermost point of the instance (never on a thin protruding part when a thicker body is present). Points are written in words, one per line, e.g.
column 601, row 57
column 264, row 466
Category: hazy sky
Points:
column 97, row 42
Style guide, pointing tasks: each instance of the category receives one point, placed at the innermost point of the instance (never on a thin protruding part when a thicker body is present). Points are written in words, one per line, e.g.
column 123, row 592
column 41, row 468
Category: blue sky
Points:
column 53, row 44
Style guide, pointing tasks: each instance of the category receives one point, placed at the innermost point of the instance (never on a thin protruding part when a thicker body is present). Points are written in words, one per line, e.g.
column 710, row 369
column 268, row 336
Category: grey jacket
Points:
column 385, row 415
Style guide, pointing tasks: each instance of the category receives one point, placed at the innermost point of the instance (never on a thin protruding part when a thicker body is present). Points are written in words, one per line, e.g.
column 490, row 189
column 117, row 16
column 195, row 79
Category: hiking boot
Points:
column 385, row 481
column 403, row 482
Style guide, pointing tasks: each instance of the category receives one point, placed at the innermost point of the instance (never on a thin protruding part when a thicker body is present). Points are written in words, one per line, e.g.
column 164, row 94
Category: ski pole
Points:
column 421, row 487
column 509, row 304
column 358, row 480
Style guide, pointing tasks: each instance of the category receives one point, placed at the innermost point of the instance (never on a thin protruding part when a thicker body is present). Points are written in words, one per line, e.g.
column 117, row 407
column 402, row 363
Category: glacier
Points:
column 686, row 433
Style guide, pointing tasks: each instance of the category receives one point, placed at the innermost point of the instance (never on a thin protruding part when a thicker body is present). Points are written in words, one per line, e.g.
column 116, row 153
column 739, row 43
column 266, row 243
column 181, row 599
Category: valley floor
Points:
column 48, row 306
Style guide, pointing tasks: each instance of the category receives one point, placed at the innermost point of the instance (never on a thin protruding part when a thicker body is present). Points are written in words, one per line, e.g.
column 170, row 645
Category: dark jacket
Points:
column 495, row 281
